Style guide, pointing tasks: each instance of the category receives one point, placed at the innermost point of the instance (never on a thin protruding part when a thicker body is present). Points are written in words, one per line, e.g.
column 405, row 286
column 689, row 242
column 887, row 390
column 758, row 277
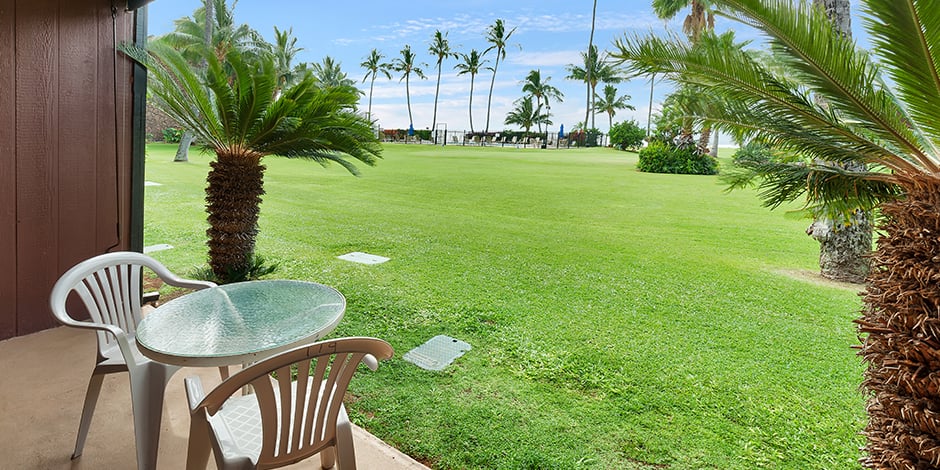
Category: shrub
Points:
column 753, row 152
column 627, row 135
column 172, row 135
column 659, row 157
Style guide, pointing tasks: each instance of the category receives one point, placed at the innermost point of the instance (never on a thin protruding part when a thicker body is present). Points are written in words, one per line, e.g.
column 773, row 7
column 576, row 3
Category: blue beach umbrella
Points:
column 561, row 132
column 411, row 130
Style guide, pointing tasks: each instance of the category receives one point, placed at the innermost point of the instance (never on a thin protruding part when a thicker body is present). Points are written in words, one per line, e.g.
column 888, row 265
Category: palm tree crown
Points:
column 407, row 64
column 496, row 35
column 526, row 114
column 439, row 48
column 596, row 69
column 374, row 66
column 890, row 127
column 535, row 86
column 609, row 103
column 472, row 64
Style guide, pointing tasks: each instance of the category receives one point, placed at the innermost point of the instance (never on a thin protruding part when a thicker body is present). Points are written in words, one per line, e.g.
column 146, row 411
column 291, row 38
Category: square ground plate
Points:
column 437, row 353
column 158, row 247
column 364, row 258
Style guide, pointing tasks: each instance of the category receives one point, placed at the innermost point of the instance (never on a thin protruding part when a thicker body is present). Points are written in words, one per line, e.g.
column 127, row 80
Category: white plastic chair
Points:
column 109, row 285
column 284, row 421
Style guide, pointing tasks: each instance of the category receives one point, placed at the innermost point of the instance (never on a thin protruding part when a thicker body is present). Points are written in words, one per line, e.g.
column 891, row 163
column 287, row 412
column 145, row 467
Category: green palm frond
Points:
column 832, row 66
column 759, row 102
column 829, row 190
column 232, row 108
column 902, row 36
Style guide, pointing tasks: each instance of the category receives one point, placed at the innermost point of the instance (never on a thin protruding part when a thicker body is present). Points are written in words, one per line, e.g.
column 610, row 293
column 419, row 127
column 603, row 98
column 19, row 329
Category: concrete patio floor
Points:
column 44, row 376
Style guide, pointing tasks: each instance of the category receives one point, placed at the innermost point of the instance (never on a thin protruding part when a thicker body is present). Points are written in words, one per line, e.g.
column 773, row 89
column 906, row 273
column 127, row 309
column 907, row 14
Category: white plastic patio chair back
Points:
column 109, row 286
column 284, row 421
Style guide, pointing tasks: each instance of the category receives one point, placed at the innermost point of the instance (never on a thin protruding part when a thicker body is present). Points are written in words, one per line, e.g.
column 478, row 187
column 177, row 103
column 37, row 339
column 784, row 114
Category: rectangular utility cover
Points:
column 437, row 353
column 158, row 247
column 364, row 258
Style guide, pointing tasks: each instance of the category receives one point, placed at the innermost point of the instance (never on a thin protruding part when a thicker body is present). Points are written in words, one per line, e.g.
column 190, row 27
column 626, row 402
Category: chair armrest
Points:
column 194, row 392
column 188, row 283
column 371, row 362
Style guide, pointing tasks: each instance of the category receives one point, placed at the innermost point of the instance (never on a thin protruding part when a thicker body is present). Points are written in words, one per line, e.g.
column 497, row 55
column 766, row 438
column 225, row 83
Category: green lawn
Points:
column 618, row 319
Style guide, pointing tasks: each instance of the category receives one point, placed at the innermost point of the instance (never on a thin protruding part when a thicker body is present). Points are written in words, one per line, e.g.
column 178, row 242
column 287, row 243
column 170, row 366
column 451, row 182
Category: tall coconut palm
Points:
column 472, row 64
column 496, row 35
column 596, row 69
column 284, row 50
column 189, row 33
column 701, row 18
column 211, row 27
column 329, row 74
column 892, row 125
column 407, row 64
column 588, row 72
column 535, row 86
column 526, row 114
column 234, row 114
column 609, row 103
column 374, row 66
column 439, row 48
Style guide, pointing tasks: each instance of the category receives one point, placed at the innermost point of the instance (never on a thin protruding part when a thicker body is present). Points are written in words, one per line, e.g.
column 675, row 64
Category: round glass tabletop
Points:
column 239, row 323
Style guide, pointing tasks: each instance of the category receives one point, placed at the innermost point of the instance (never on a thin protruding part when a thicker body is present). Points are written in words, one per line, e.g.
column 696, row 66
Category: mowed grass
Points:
column 619, row 320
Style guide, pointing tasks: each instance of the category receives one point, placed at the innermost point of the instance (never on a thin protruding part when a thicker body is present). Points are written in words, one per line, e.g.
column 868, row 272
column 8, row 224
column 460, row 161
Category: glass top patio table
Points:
column 239, row 323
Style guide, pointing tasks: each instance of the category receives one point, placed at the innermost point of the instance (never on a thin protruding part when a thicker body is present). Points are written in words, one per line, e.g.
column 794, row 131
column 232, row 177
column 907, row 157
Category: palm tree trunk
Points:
column 371, row 87
column 233, row 199
column 437, row 91
column 587, row 74
column 900, row 332
column 489, row 101
column 182, row 151
column 411, row 122
column 471, row 104
column 843, row 247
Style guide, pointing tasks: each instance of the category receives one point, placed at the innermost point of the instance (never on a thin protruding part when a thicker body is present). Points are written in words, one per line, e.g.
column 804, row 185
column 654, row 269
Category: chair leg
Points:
column 197, row 450
column 328, row 457
column 147, row 388
column 88, row 409
column 345, row 450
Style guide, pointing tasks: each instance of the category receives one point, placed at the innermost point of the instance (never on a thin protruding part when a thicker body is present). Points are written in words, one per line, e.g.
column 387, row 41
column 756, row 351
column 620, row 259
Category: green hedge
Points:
column 659, row 157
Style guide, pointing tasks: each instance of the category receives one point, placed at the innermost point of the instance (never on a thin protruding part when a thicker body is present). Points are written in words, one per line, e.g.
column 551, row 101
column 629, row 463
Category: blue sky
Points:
column 549, row 35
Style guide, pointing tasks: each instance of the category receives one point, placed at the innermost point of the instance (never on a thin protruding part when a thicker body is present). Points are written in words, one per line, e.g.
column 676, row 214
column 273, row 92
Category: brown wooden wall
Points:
column 65, row 147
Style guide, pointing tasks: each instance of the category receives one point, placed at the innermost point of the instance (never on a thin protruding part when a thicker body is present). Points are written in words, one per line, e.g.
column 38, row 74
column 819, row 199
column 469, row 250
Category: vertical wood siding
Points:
column 7, row 175
column 64, row 147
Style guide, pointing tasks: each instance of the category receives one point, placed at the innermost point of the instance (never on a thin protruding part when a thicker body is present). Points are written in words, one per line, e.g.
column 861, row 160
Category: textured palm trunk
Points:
column 233, row 201
column 843, row 247
column 843, row 250
column 182, row 151
column 902, row 323
column 704, row 138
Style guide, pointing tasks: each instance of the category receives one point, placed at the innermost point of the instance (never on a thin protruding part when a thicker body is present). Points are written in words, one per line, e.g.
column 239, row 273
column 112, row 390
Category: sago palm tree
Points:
column 407, row 64
column 890, row 125
column 498, row 37
column 233, row 112
column 439, row 48
column 534, row 85
column 374, row 66
column 472, row 64
column 609, row 103
column 526, row 114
